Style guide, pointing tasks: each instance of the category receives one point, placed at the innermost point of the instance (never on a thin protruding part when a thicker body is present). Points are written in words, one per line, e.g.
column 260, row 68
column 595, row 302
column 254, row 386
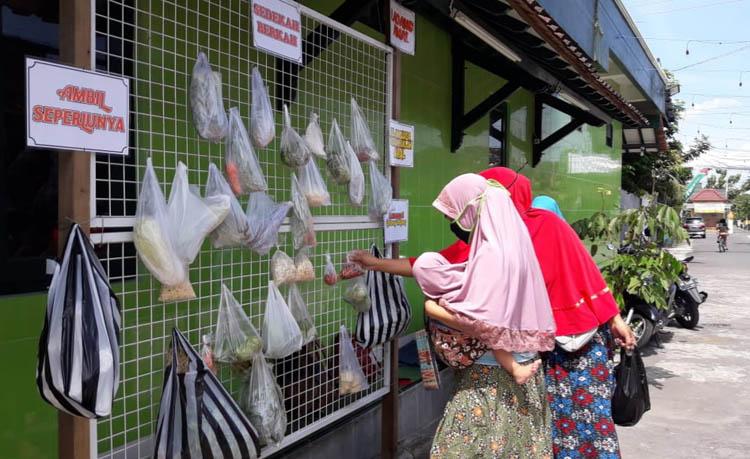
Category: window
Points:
column 497, row 137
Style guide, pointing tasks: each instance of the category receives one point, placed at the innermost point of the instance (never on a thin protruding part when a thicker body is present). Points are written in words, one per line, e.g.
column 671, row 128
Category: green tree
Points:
column 741, row 207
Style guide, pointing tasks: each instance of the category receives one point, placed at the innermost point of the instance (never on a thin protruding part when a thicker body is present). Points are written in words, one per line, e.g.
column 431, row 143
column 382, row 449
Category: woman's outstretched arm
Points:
column 398, row 266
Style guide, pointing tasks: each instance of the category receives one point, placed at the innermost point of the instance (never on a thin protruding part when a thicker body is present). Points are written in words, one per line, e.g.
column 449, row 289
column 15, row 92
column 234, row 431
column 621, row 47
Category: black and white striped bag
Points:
column 197, row 416
column 78, row 362
column 390, row 311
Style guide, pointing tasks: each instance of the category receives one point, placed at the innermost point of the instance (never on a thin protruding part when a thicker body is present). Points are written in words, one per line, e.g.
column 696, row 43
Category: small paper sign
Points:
column 277, row 28
column 396, row 221
column 403, row 22
column 401, row 144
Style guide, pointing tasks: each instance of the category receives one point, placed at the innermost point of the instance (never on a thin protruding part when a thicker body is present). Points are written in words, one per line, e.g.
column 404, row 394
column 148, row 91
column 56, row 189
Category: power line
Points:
column 690, row 8
column 710, row 59
column 729, row 96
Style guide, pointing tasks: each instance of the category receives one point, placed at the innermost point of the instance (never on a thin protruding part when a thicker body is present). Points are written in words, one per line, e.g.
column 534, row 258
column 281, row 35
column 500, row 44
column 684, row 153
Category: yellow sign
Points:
column 401, row 140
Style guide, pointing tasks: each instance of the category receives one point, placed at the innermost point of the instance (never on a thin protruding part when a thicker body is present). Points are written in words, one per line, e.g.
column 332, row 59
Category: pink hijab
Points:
column 498, row 294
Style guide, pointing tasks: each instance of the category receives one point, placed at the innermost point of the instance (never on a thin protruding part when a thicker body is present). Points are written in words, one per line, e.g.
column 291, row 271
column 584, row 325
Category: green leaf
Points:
column 594, row 249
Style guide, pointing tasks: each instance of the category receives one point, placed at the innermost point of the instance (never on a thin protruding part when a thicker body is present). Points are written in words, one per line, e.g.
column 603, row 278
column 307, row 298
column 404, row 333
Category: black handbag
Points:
column 630, row 398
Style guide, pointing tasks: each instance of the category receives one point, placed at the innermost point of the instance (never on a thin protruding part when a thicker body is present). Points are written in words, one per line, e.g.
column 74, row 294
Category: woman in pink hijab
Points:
column 498, row 297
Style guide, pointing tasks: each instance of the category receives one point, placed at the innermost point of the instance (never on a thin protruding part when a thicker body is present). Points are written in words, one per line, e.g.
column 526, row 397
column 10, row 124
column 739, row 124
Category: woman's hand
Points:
column 398, row 266
column 365, row 259
column 622, row 333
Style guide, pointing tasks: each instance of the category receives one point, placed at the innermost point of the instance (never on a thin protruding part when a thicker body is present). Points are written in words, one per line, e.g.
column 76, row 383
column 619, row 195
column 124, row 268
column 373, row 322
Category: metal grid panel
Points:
column 155, row 43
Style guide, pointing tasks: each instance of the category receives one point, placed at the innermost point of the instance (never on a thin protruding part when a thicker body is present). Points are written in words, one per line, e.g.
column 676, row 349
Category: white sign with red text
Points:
column 68, row 108
column 396, row 221
column 403, row 25
column 277, row 28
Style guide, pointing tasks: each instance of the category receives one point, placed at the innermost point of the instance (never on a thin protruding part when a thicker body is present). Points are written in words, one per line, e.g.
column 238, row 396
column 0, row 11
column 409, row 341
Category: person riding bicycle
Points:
column 723, row 230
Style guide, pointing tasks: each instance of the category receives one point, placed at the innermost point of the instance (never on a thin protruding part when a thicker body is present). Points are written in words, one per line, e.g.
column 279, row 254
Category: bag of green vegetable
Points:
column 357, row 181
column 301, row 314
column 241, row 165
column 337, row 158
column 262, row 127
column 265, row 218
column 281, row 334
column 206, row 102
column 351, row 377
column 301, row 223
column 362, row 142
column 381, row 193
column 153, row 240
column 235, row 339
column 314, row 137
column 294, row 150
column 263, row 402
column 303, row 267
column 312, row 185
column 234, row 231
column 283, row 270
column 357, row 294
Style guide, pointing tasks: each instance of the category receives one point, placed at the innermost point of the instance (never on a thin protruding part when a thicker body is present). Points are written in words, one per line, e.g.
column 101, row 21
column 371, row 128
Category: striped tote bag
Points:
column 390, row 311
column 197, row 416
column 78, row 360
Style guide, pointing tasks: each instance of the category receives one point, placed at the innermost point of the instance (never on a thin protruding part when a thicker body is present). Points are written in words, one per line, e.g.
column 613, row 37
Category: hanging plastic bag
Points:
column 281, row 334
column 301, row 314
column 294, row 150
column 304, row 267
column 312, row 185
column 631, row 398
column 236, row 340
column 351, row 377
column 263, row 402
column 283, row 270
column 329, row 275
column 207, row 352
column 314, row 137
column 351, row 269
column 357, row 181
column 357, row 294
column 381, row 193
column 337, row 158
column 153, row 240
column 362, row 142
column 265, row 218
column 206, row 102
column 262, row 126
column 241, row 165
column 234, row 231
column 302, row 224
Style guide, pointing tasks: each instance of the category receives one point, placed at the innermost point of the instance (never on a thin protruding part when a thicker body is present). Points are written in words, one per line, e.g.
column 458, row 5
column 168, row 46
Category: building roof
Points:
column 708, row 195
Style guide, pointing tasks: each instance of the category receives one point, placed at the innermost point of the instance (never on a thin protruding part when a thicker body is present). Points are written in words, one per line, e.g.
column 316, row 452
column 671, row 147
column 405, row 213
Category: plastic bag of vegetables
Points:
column 283, row 270
column 294, row 150
column 351, row 377
column 265, row 218
column 305, row 272
column 234, row 231
column 153, row 240
column 312, row 185
column 206, row 102
column 330, row 277
column 263, row 402
column 337, row 157
column 262, row 127
column 301, row 314
column 301, row 222
column 357, row 294
column 241, row 165
column 281, row 334
column 235, row 339
column 361, row 138
column 357, row 181
column 314, row 137
column 381, row 193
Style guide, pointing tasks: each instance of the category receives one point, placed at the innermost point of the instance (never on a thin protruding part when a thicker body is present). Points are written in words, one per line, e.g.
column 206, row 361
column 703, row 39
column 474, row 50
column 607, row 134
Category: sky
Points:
column 718, row 32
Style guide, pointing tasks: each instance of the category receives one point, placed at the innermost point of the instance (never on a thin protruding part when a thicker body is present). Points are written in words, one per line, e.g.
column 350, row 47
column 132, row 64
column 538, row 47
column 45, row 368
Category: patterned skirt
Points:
column 490, row 416
column 579, row 392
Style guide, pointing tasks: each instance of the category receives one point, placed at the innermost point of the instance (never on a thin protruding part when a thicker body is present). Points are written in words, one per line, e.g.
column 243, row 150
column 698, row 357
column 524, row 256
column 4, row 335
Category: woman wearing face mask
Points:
column 496, row 296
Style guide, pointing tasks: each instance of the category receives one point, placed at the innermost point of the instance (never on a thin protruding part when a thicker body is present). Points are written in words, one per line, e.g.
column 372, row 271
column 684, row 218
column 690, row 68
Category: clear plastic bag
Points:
column 314, row 137
column 234, row 230
column 337, row 157
column 357, row 294
column 312, row 185
column 153, row 240
column 283, row 270
column 330, row 277
column 351, row 269
column 281, row 334
column 207, row 352
column 240, row 162
column 206, row 102
column 236, row 340
column 304, row 267
column 381, row 193
column 265, row 218
column 361, row 138
column 351, row 377
column 294, row 150
column 302, row 224
column 263, row 402
column 357, row 181
column 301, row 314
column 262, row 126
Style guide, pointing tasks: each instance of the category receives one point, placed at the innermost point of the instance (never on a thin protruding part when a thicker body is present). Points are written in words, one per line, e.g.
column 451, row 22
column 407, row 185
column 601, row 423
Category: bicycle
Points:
column 722, row 241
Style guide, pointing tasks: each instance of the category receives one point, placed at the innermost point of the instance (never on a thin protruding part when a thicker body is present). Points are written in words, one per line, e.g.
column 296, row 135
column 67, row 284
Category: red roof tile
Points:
column 708, row 195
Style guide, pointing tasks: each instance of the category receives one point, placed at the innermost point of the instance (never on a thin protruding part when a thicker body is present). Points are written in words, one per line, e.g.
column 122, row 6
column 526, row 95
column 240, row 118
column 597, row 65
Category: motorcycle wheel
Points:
column 690, row 317
column 642, row 328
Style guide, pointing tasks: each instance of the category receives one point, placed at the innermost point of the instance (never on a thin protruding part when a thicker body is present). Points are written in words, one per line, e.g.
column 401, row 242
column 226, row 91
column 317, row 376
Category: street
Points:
column 700, row 400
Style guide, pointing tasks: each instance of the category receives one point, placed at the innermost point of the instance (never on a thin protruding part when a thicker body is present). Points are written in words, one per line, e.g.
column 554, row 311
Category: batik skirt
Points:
column 579, row 392
column 490, row 416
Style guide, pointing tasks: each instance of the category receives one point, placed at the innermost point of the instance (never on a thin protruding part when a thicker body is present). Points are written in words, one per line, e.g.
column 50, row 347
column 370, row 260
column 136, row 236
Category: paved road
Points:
column 700, row 393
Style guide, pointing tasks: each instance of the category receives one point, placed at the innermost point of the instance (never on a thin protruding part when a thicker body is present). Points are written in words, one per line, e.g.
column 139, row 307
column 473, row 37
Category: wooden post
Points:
column 74, row 433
